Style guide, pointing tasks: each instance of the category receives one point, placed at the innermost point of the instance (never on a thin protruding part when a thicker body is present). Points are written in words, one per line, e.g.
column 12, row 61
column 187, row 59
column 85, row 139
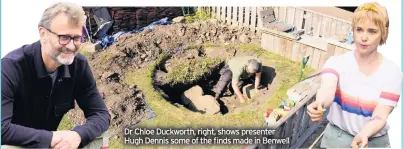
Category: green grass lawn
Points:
column 171, row 116
column 189, row 71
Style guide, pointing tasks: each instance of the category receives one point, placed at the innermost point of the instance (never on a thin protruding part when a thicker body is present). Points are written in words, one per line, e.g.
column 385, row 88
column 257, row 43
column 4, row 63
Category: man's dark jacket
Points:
column 32, row 107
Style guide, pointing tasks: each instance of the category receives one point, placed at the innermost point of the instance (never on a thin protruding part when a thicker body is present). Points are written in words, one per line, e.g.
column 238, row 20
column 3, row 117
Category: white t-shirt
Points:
column 357, row 94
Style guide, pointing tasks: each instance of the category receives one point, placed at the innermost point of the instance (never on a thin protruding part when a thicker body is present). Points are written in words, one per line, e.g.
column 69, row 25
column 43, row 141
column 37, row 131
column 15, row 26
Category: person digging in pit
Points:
column 239, row 71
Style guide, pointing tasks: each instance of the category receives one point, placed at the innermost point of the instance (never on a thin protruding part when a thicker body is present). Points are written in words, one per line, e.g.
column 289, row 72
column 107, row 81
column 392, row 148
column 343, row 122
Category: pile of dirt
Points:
column 125, row 104
column 135, row 51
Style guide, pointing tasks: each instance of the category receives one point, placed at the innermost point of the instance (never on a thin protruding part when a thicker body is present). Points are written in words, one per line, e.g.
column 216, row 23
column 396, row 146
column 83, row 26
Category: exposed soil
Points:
column 229, row 101
column 131, row 52
column 134, row 51
column 125, row 104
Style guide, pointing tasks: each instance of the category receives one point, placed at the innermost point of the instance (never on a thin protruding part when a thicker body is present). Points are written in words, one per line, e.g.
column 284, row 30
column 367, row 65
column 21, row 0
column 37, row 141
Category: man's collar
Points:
column 40, row 66
column 65, row 72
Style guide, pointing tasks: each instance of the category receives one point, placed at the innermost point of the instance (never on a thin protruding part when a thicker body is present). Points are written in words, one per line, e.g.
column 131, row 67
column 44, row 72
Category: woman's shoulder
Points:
column 341, row 60
column 391, row 67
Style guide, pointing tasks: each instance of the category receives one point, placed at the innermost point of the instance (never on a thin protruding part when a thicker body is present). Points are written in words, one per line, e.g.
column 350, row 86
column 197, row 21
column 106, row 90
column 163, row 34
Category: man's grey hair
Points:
column 254, row 66
column 72, row 10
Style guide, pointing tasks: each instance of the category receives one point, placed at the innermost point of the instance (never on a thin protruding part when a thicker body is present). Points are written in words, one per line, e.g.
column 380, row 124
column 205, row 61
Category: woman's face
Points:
column 367, row 36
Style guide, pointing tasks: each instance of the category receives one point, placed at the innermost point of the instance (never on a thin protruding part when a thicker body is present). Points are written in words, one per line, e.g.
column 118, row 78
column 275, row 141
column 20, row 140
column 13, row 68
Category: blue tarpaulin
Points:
column 108, row 40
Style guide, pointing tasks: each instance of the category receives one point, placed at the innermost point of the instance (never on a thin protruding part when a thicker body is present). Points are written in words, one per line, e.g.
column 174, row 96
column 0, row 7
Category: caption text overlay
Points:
column 203, row 136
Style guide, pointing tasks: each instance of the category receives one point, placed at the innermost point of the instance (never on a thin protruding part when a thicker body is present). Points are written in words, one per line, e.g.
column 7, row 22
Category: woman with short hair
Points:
column 359, row 88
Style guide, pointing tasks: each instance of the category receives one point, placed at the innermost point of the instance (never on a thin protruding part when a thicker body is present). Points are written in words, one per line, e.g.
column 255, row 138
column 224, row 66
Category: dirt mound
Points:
column 125, row 104
column 135, row 51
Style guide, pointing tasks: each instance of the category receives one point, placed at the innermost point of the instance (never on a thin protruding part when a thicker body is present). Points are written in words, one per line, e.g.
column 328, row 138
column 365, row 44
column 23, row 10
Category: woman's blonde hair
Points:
column 375, row 13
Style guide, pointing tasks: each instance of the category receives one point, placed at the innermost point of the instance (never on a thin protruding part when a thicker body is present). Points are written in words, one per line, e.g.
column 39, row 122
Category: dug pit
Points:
column 187, row 78
column 131, row 52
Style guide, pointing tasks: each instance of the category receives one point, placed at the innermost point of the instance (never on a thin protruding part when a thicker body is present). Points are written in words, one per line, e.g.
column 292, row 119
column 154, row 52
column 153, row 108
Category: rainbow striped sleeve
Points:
column 390, row 94
column 330, row 69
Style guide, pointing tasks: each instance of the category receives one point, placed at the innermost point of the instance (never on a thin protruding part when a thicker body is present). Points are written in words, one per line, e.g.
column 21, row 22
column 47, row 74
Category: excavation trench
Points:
column 131, row 52
column 195, row 92
column 174, row 92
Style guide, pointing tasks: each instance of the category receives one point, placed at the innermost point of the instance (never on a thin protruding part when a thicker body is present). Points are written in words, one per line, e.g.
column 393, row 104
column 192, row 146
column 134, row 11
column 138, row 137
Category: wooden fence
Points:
column 296, row 125
column 319, row 50
column 314, row 23
column 238, row 16
column 321, row 38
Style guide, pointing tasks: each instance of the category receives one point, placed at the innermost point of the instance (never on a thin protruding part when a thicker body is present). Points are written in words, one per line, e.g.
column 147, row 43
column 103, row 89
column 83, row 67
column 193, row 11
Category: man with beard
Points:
column 40, row 82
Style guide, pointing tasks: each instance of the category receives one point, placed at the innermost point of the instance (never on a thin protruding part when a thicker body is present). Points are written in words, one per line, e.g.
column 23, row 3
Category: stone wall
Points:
column 129, row 18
